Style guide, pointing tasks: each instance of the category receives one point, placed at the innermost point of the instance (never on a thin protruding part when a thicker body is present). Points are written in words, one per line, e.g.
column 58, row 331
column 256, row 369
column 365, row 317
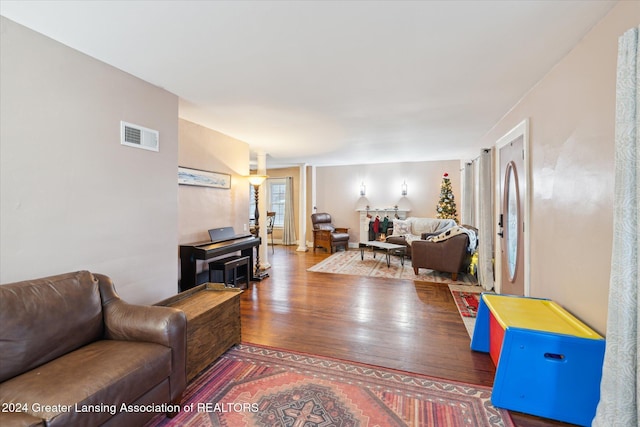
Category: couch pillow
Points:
column 401, row 227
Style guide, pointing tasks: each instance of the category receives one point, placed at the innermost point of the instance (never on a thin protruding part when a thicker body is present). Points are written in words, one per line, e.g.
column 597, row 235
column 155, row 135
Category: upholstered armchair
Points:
column 325, row 235
column 449, row 255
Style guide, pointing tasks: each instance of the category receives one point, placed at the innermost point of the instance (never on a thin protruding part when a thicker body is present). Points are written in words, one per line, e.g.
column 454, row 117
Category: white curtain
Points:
column 485, row 221
column 620, row 386
column 468, row 210
column 289, row 227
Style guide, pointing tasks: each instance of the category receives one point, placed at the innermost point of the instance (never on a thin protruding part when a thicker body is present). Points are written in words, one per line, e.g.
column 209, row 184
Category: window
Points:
column 276, row 199
column 275, row 189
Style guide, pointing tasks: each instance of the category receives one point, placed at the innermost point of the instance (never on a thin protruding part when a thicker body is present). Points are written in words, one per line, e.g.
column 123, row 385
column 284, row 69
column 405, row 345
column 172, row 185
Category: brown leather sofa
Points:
column 72, row 353
column 325, row 235
column 448, row 256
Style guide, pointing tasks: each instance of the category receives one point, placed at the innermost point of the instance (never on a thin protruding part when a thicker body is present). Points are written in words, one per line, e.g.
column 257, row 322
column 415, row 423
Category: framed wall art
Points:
column 201, row 178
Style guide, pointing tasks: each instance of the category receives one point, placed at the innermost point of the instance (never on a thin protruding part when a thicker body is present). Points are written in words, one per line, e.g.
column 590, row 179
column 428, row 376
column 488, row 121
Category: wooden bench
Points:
column 230, row 268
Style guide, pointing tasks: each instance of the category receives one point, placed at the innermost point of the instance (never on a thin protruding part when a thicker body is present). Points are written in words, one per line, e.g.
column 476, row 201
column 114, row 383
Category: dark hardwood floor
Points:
column 401, row 324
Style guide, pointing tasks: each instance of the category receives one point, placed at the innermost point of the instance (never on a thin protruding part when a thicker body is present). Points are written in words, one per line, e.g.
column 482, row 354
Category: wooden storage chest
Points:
column 213, row 322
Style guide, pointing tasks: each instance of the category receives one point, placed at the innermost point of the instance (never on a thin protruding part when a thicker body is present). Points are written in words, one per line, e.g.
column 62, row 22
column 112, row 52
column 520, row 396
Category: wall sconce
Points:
column 363, row 189
column 404, row 188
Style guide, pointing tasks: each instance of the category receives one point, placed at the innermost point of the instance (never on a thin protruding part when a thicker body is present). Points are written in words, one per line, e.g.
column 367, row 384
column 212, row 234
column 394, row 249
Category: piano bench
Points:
column 230, row 268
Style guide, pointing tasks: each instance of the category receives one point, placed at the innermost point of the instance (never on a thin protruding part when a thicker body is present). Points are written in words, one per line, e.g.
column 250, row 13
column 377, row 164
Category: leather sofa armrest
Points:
column 341, row 230
column 128, row 322
column 161, row 325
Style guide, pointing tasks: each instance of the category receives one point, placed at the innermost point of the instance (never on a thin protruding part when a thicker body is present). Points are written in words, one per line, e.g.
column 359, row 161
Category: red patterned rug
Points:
column 259, row 386
column 467, row 299
column 467, row 302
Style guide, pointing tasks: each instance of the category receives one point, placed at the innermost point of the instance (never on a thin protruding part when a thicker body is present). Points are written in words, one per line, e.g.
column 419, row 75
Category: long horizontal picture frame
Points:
column 202, row 178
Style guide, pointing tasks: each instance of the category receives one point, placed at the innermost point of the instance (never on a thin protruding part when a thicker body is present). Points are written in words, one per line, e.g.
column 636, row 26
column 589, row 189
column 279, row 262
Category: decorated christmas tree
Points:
column 447, row 205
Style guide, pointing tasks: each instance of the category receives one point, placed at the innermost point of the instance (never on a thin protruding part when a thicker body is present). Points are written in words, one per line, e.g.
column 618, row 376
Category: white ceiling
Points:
column 330, row 82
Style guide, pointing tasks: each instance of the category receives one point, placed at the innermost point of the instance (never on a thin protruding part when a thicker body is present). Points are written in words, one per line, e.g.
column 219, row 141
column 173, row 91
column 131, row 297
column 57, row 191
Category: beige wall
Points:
column 337, row 190
column 571, row 115
column 294, row 173
column 71, row 196
column 203, row 208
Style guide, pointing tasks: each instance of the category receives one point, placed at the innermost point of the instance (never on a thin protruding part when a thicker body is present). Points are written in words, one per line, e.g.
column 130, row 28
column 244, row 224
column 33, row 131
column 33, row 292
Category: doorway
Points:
column 512, row 207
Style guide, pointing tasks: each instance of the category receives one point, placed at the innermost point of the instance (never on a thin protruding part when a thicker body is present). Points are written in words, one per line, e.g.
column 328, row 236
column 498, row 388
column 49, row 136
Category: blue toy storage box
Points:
column 548, row 363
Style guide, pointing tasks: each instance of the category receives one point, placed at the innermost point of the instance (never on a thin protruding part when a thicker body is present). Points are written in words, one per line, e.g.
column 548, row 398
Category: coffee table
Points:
column 388, row 248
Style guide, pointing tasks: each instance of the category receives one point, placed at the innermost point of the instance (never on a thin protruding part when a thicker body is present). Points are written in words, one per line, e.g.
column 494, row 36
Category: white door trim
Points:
column 522, row 129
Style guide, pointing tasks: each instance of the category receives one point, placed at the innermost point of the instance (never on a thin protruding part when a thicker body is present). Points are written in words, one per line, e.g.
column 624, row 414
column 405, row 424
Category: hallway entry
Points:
column 512, row 211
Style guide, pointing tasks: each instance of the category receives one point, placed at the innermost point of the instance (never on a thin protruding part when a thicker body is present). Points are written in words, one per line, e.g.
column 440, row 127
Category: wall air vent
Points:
column 139, row 137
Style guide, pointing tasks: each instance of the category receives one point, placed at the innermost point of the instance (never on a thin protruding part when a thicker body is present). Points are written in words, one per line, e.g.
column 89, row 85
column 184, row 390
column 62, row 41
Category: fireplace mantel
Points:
column 365, row 220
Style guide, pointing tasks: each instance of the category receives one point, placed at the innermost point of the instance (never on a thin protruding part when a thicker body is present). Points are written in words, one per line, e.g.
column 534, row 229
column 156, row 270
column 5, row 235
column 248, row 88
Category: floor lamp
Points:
column 256, row 180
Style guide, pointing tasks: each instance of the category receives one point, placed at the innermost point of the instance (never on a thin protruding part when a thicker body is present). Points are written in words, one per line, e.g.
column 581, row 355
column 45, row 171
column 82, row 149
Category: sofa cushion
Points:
column 430, row 225
column 396, row 240
column 43, row 319
column 340, row 237
column 104, row 371
column 401, row 227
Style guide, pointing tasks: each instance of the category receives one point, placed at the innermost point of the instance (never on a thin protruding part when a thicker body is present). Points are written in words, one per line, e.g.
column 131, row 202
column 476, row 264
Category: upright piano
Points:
column 224, row 241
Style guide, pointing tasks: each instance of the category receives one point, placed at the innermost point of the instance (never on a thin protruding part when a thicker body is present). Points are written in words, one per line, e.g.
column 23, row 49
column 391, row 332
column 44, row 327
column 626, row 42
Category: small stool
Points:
column 230, row 265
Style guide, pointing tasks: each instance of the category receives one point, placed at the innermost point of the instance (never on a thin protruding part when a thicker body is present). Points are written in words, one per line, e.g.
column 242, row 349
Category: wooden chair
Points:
column 271, row 218
column 325, row 235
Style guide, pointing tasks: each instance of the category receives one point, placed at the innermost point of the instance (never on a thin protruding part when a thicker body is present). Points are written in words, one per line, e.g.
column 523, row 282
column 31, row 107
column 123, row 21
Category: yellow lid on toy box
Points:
column 536, row 314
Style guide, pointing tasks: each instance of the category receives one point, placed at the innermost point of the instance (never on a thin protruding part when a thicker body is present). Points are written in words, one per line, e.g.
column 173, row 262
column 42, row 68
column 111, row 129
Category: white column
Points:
column 302, row 231
column 314, row 196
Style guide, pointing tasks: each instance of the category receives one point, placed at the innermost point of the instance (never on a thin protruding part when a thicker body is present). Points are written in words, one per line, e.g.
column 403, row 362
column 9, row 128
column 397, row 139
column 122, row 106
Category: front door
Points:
column 511, row 224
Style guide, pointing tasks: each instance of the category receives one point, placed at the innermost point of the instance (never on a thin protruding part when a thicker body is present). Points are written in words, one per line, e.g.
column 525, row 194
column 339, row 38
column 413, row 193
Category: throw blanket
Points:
column 454, row 231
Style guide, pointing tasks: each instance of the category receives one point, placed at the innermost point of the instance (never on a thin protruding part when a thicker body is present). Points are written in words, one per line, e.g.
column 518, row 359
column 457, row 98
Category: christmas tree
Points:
column 446, row 206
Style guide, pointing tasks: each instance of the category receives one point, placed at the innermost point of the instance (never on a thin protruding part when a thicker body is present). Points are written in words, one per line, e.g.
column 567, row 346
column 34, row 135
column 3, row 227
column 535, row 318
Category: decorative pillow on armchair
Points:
column 401, row 227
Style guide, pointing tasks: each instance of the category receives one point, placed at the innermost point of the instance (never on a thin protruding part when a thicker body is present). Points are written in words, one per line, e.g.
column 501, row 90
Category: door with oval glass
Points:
column 511, row 220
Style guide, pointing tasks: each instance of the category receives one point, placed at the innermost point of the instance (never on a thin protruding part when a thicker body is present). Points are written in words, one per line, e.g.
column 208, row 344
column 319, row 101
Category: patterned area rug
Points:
column 467, row 299
column 349, row 262
column 259, row 386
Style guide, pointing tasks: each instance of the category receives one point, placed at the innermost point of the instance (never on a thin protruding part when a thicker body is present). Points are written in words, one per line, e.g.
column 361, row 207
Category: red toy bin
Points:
column 496, row 337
